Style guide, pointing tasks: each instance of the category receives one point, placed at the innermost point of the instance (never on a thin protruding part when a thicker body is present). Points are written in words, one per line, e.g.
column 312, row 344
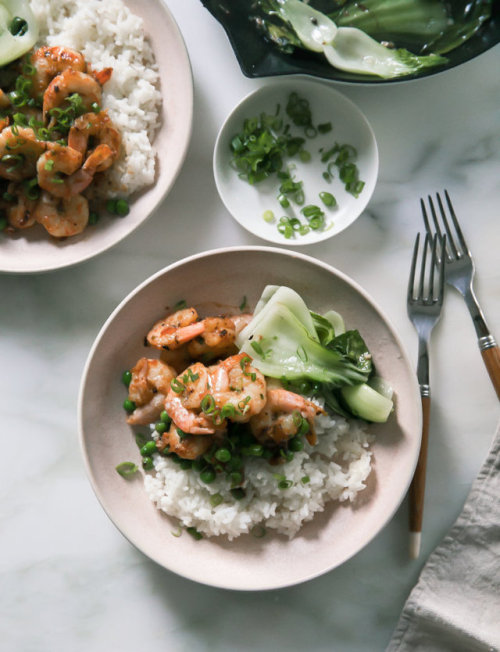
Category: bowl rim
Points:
column 414, row 390
column 268, row 86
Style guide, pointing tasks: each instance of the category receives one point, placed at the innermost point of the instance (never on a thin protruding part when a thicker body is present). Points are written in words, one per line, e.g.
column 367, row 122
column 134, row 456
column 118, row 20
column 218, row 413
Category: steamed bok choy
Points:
column 346, row 47
column 314, row 354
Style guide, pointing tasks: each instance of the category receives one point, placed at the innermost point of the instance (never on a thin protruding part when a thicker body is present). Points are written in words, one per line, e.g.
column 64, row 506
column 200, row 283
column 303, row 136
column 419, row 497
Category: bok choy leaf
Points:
column 281, row 346
column 346, row 47
column 314, row 355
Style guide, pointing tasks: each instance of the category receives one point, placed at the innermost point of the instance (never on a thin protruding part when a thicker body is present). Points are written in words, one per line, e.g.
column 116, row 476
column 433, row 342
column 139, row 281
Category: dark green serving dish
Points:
column 260, row 58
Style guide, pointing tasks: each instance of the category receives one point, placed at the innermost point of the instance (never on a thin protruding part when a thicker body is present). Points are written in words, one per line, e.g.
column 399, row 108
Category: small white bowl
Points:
column 221, row 278
column 247, row 203
column 33, row 250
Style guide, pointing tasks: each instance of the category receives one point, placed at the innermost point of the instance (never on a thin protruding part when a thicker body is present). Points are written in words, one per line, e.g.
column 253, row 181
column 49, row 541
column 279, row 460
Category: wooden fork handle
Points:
column 417, row 487
column 491, row 357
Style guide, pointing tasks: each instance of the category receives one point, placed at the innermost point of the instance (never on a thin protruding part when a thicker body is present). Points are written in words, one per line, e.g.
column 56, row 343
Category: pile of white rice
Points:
column 335, row 468
column 109, row 35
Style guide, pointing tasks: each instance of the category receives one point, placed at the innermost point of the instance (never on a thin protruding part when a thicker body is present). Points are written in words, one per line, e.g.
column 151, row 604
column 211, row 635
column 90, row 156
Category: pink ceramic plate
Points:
column 225, row 276
column 33, row 250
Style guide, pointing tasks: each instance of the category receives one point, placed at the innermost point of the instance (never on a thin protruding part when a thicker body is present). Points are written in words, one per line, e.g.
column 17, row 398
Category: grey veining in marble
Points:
column 68, row 579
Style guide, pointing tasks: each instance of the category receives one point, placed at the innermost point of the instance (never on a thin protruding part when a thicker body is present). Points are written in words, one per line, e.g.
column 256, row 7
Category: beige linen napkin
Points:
column 455, row 606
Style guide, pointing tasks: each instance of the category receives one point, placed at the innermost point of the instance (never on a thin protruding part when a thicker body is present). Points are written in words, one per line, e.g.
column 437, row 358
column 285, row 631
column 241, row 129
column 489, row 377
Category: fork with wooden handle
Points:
column 459, row 269
column 424, row 301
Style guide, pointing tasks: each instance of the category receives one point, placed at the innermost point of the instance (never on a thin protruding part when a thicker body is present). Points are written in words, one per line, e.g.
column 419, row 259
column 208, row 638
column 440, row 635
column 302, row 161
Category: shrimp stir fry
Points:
column 55, row 140
column 148, row 389
column 216, row 406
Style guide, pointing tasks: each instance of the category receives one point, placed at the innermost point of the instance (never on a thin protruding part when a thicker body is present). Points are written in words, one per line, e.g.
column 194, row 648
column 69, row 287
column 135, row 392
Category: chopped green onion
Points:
column 283, row 200
column 208, row 404
column 325, row 127
column 216, row 499
column 267, row 216
column 127, row 469
column 177, row 386
column 305, row 479
column 328, row 199
column 244, row 304
column 194, row 533
column 258, row 348
column 255, row 450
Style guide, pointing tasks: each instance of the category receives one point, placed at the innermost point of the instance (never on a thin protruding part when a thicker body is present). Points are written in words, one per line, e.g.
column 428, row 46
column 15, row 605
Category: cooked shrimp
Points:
column 20, row 215
column 188, row 447
column 148, row 388
column 69, row 82
column 218, row 337
column 281, row 418
column 52, row 61
column 100, row 128
column 100, row 158
column 19, row 152
column 184, row 400
column 175, row 330
column 55, row 168
column 236, row 383
column 62, row 217
column 4, row 122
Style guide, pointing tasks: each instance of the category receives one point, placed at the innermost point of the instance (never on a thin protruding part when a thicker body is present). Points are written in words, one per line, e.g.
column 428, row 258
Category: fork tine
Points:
column 423, row 265
column 456, row 224
column 424, row 215
column 411, row 281
column 451, row 241
column 438, row 263
column 433, row 245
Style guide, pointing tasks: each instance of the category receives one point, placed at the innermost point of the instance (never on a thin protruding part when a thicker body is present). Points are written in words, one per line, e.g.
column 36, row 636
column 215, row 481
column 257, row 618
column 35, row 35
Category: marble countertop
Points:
column 69, row 579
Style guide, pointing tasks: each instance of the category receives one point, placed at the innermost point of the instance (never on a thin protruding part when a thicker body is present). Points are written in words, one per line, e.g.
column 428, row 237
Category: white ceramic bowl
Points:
column 247, row 203
column 33, row 250
column 224, row 277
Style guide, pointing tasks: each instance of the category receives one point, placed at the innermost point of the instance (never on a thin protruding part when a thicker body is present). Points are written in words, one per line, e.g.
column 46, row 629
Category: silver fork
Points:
column 460, row 274
column 424, row 301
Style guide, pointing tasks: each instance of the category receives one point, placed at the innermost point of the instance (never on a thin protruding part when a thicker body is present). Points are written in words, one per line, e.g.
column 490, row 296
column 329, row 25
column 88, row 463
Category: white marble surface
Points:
column 69, row 580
